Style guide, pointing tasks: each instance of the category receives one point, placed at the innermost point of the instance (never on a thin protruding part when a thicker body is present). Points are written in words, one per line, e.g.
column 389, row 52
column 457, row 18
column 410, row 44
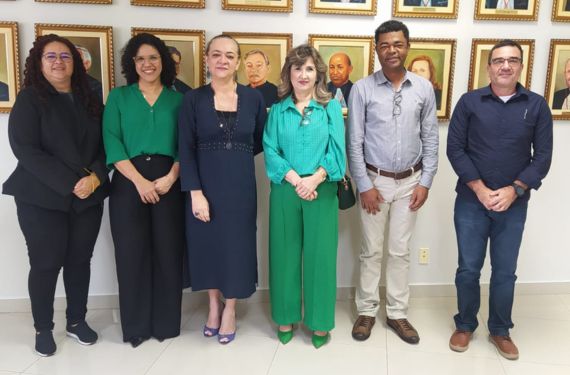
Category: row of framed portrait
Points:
column 349, row 58
column 518, row 10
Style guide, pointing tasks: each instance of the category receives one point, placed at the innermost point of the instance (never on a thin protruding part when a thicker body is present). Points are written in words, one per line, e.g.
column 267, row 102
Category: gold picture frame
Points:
column 262, row 56
column 9, row 65
column 561, row 10
column 189, row 46
column 284, row 6
column 557, row 88
column 425, row 8
column 354, row 7
column 516, row 10
column 76, row 1
column 480, row 49
column 198, row 4
column 360, row 53
column 98, row 40
column 434, row 59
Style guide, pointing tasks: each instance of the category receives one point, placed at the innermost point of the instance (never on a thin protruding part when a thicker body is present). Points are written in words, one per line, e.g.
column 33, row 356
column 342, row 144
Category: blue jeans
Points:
column 475, row 226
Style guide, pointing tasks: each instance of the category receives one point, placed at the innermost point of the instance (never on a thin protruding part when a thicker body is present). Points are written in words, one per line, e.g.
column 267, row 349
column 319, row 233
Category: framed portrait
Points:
column 171, row 3
column 349, row 58
column 480, row 49
column 557, row 91
column 352, row 7
column 434, row 59
column 95, row 45
column 187, row 50
column 512, row 10
column 285, row 6
column 262, row 56
column 76, row 1
column 9, row 65
column 425, row 8
column 561, row 10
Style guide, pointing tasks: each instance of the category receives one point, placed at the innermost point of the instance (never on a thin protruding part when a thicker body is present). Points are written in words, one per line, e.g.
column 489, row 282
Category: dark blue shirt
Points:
column 500, row 142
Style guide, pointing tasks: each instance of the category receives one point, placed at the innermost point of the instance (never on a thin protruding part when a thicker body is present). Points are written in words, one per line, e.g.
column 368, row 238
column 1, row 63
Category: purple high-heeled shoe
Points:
column 226, row 339
column 210, row 332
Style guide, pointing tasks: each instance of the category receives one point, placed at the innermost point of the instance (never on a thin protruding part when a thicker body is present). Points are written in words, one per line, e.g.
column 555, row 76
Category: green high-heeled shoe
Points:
column 285, row 336
column 319, row 341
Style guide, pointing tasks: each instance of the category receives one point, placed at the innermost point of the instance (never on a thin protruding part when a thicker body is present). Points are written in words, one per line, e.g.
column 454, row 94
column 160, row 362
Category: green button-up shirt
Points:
column 131, row 127
column 303, row 146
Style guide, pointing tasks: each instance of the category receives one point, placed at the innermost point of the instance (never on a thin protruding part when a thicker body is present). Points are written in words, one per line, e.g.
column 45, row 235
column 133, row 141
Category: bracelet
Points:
column 323, row 174
column 92, row 183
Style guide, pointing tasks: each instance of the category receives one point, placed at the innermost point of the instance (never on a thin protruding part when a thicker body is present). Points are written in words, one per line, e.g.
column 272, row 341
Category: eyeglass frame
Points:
column 151, row 59
column 396, row 103
column 511, row 61
column 306, row 116
column 52, row 57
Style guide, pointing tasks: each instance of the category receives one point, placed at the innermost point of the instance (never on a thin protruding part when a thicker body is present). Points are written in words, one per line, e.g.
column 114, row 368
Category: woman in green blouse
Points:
column 304, row 156
column 146, row 205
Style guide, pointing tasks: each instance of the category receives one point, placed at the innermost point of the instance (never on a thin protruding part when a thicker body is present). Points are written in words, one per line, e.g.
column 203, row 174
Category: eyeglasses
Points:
column 152, row 59
column 306, row 120
column 512, row 61
column 52, row 57
column 396, row 107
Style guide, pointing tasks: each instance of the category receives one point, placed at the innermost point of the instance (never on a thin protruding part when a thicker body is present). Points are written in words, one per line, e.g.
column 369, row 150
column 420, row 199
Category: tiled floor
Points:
column 541, row 332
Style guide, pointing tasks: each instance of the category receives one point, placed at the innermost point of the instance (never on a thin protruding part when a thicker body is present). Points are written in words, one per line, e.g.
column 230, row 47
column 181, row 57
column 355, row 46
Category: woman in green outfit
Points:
column 304, row 155
column 146, row 205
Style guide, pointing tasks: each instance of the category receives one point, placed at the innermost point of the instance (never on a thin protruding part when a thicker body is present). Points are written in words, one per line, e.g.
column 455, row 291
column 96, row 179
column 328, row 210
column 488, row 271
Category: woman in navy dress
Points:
column 220, row 131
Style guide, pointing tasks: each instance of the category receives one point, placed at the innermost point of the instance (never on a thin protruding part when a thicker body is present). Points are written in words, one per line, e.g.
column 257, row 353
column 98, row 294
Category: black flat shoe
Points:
column 136, row 341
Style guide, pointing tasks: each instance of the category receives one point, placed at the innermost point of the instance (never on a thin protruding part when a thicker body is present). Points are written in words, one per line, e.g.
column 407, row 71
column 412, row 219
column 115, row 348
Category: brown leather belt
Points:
column 396, row 175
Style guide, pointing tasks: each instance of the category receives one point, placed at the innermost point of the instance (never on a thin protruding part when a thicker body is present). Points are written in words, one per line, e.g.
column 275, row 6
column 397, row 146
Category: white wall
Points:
column 545, row 255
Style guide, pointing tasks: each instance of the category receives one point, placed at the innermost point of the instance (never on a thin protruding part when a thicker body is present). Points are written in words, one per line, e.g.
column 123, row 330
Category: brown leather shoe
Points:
column 505, row 346
column 404, row 329
column 459, row 341
column 363, row 327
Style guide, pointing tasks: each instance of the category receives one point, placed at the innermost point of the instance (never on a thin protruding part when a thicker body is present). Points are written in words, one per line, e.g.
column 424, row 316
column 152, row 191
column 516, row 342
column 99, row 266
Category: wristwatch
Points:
column 519, row 190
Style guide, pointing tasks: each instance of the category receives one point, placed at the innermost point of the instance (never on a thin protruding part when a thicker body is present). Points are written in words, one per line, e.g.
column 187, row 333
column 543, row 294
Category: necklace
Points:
column 227, row 119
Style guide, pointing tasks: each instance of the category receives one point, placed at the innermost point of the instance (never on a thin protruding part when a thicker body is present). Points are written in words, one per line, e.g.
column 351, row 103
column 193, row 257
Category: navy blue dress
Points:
column 216, row 153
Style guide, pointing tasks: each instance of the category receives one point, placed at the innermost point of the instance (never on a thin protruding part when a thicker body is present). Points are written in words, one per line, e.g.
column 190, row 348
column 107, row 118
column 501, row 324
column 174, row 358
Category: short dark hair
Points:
column 392, row 26
column 504, row 43
column 33, row 76
column 168, row 73
column 174, row 51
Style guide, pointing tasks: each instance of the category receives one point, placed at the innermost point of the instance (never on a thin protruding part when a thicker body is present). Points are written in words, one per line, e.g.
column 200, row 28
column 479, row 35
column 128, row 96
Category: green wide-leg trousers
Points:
column 303, row 240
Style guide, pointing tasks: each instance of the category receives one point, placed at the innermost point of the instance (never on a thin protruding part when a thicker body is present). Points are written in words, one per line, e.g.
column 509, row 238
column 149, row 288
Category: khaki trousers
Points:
column 395, row 213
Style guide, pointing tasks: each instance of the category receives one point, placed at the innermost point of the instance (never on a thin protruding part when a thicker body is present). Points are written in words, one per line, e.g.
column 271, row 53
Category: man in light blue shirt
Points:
column 392, row 149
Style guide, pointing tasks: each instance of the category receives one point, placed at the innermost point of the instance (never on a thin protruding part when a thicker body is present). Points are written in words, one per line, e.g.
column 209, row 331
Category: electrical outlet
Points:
column 424, row 255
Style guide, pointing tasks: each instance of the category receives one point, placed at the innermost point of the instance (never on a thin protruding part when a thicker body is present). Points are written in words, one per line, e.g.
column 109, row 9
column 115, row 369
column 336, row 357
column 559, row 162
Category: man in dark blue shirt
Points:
column 500, row 145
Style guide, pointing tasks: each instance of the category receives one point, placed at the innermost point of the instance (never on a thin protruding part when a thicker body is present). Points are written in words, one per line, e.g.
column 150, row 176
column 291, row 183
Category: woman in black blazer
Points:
column 59, row 183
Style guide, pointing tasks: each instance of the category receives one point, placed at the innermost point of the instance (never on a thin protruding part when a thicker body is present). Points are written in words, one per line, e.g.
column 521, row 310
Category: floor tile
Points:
column 416, row 362
column 435, row 326
column 109, row 356
column 300, row 357
column 17, row 340
column 527, row 368
column 191, row 353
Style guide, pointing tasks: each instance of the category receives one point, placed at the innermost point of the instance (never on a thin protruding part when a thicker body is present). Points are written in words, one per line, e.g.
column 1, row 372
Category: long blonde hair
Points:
column 298, row 56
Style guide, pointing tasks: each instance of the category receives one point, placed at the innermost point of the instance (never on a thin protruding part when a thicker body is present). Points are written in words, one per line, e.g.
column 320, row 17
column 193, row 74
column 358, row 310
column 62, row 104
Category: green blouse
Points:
column 304, row 143
column 131, row 127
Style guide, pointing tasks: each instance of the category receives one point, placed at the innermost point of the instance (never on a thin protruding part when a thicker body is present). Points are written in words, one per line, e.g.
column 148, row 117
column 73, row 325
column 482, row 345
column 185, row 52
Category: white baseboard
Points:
column 191, row 300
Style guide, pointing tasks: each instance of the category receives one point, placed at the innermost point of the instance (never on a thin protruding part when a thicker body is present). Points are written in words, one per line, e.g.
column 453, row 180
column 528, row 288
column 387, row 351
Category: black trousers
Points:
column 149, row 244
column 57, row 239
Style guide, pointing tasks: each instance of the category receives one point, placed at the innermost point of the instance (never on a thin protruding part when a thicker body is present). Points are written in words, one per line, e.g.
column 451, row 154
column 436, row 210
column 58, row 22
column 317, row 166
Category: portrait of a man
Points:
column 426, row 3
column 340, row 68
column 177, row 85
column 94, row 84
column 257, row 68
column 423, row 66
column 561, row 98
column 506, row 4
column 4, row 92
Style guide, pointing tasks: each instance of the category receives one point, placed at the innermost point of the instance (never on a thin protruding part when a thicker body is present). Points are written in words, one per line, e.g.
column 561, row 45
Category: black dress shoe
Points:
column 136, row 341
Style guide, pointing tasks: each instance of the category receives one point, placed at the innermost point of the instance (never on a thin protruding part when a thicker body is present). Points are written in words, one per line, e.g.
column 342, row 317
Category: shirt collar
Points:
column 520, row 90
column 381, row 79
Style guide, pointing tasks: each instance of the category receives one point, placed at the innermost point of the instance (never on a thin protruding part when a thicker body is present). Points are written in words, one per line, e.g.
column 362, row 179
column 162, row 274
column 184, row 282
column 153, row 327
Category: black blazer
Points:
column 54, row 139
column 519, row 4
column 559, row 97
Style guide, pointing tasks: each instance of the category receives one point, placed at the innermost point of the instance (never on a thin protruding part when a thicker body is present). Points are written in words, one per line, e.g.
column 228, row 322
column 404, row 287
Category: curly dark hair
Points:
column 168, row 73
column 33, row 76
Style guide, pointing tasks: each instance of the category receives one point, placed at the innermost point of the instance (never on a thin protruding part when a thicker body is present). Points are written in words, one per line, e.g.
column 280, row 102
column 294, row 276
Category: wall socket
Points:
column 423, row 255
